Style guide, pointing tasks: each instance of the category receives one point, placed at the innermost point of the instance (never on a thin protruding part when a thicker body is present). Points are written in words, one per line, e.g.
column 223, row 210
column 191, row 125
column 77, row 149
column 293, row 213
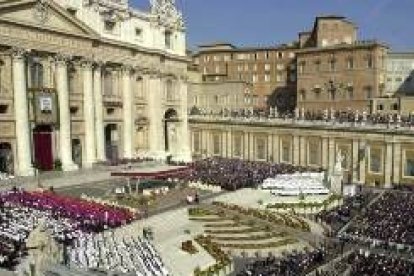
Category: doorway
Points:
column 111, row 142
column 170, row 131
column 42, row 140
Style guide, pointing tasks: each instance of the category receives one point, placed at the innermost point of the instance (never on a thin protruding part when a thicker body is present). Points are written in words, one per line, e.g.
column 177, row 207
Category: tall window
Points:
column 108, row 84
column 168, row 39
column 375, row 163
column 409, row 164
column 370, row 62
column 36, row 74
column 169, row 90
column 71, row 80
column 350, row 63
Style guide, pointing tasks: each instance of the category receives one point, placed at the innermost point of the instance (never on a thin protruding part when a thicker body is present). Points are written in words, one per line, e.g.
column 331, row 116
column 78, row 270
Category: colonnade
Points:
column 93, row 112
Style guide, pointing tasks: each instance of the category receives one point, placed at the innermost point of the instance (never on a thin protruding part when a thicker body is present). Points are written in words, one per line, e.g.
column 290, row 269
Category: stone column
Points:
column 269, row 150
column 184, row 152
column 362, row 161
column 252, row 150
column 245, row 146
column 89, row 114
column 276, row 148
column 128, row 115
column 303, row 153
column 229, row 144
column 388, row 165
column 21, row 114
column 396, row 175
column 331, row 154
column 325, row 153
column 64, row 114
column 355, row 160
column 153, row 84
column 296, row 150
column 99, row 112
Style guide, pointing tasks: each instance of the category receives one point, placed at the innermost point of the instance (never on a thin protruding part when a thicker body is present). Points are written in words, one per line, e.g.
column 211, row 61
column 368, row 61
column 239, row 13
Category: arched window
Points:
column 36, row 73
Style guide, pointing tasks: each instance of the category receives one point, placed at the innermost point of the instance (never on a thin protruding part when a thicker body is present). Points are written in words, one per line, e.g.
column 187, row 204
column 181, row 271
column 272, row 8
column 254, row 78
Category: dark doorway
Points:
column 111, row 142
column 77, row 152
column 6, row 158
column 42, row 140
column 170, row 119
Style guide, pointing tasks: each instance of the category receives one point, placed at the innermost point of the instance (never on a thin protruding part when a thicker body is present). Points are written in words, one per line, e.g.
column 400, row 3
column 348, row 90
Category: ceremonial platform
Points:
column 151, row 170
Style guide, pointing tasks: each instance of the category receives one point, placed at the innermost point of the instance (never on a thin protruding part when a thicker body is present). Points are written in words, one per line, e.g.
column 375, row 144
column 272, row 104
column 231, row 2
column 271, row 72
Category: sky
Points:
column 271, row 22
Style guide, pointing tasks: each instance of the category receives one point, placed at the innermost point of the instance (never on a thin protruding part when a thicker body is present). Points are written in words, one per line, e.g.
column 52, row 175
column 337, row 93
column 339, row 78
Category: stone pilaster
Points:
column 24, row 160
column 128, row 116
column 64, row 113
column 269, row 149
column 99, row 112
column 89, row 114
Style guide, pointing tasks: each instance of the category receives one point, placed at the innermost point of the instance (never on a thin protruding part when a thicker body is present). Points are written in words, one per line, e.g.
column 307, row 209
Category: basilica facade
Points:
column 83, row 82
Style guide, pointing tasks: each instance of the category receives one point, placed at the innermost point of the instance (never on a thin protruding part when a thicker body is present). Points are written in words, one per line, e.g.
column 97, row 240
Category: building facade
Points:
column 88, row 81
column 377, row 157
column 271, row 70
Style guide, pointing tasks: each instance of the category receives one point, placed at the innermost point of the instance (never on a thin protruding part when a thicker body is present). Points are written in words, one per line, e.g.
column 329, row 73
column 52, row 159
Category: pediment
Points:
column 50, row 17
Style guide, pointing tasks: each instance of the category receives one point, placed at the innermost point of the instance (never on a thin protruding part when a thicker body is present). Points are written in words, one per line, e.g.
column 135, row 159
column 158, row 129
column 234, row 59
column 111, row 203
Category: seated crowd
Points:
column 364, row 264
column 69, row 220
column 293, row 264
column 387, row 220
column 126, row 255
column 339, row 216
column 233, row 174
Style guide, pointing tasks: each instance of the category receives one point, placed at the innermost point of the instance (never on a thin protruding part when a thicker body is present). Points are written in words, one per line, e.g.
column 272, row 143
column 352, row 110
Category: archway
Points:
column 42, row 143
column 170, row 129
column 6, row 158
column 77, row 152
column 111, row 142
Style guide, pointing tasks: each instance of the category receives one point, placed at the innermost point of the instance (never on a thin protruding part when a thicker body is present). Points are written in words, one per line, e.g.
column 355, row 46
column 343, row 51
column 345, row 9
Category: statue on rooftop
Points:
column 167, row 13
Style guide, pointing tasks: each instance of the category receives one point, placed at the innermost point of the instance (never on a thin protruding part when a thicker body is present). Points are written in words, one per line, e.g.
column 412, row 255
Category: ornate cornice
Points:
column 166, row 14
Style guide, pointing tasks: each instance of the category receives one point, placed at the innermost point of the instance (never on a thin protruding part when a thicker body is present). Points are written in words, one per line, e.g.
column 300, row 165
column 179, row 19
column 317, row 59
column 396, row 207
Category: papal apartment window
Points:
column 217, row 69
column 138, row 33
column 239, row 68
column 279, row 55
column 370, row 62
column 109, row 26
column 168, row 39
column 36, row 74
column 267, row 67
column 279, row 76
column 267, row 77
column 303, row 94
column 380, row 107
column 255, row 67
column 254, row 78
column 350, row 63
column 266, row 55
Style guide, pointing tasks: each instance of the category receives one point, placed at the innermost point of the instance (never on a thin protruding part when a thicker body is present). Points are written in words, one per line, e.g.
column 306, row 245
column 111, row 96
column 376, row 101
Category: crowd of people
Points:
column 387, row 220
column 127, row 255
column 365, row 263
column 233, row 174
column 339, row 216
column 65, row 218
column 343, row 116
column 297, row 263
